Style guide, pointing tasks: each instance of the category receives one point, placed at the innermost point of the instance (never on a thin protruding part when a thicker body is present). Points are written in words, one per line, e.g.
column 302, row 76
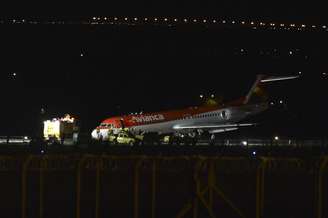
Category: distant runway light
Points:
column 201, row 96
column 300, row 73
column 276, row 138
column 212, row 96
column 14, row 74
column 271, row 103
column 244, row 143
column 254, row 153
column 280, row 101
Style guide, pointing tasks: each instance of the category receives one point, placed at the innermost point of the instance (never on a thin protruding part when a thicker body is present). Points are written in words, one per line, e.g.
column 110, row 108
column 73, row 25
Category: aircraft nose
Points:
column 94, row 134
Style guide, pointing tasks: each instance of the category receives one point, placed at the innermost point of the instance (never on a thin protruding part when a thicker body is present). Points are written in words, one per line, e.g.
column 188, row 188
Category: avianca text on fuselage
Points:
column 148, row 118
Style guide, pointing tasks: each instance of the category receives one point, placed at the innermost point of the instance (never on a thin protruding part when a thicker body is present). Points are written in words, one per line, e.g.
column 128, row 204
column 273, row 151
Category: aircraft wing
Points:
column 215, row 128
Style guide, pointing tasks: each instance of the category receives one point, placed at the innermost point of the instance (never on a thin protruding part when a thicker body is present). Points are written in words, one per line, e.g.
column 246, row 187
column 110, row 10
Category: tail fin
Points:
column 257, row 89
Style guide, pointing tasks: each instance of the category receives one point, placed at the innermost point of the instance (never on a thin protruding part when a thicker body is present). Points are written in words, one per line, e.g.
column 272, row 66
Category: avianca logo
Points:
column 150, row 118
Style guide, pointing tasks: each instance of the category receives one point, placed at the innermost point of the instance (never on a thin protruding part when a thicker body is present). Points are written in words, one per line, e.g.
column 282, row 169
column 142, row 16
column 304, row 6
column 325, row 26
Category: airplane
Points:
column 209, row 118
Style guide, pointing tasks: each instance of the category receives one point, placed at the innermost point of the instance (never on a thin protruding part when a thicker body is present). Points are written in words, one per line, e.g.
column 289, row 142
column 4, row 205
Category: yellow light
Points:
column 94, row 18
column 303, row 25
column 252, row 23
column 243, row 22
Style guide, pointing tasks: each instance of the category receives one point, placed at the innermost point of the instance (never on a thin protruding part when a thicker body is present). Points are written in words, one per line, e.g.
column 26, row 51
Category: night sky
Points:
column 96, row 71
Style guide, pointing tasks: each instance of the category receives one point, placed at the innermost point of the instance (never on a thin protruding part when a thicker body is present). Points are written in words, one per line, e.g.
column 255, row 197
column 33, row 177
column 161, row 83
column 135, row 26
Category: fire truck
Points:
column 61, row 130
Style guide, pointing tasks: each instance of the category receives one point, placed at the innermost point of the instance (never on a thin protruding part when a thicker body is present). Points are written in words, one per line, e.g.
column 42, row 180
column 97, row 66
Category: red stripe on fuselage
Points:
column 165, row 116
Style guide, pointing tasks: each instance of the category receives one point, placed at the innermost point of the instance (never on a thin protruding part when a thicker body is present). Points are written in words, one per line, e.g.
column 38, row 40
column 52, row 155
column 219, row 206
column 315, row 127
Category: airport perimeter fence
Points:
column 138, row 186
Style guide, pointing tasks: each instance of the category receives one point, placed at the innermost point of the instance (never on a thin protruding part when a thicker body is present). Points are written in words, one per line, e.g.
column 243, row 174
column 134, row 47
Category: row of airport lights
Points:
column 171, row 22
column 209, row 21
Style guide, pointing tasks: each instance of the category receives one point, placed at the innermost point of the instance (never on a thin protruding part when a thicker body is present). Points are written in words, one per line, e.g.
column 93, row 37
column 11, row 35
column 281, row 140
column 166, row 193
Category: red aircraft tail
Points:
column 257, row 93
